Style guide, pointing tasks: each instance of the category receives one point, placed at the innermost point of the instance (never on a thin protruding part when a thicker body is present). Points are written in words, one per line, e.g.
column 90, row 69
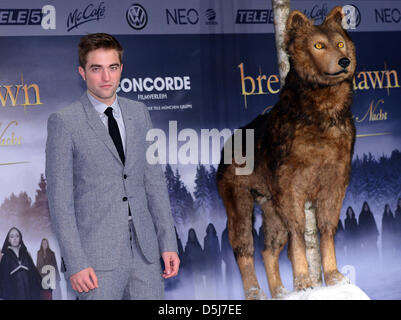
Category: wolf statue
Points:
column 303, row 152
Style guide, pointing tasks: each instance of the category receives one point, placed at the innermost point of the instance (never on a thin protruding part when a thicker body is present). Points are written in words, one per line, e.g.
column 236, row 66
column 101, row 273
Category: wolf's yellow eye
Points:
column 319, row 45
column 340, row 44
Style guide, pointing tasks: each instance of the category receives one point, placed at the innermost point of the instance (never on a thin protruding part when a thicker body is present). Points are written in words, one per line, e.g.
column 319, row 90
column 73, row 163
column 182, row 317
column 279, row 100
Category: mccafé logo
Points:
column 19, row 95
column 90, row 13
column 317, row 13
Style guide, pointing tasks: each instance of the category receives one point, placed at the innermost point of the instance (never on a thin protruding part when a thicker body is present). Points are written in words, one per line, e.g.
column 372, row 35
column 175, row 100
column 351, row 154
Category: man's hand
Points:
column 171, row 264
column 84, row 280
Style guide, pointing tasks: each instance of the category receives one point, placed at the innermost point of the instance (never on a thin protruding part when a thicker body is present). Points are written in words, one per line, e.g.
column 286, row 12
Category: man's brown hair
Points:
column 95, row 41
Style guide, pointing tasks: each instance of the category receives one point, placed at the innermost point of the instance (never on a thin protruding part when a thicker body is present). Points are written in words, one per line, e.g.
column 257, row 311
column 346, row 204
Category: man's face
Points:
column 102, row 74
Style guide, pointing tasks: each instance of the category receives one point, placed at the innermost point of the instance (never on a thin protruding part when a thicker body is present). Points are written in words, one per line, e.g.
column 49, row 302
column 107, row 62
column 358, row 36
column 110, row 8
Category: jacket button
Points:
column 125, row 176
column 125, row 199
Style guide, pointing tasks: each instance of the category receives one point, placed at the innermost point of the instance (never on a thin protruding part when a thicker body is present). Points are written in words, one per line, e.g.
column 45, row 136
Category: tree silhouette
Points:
column 16, row 209
column 202, row 194
column 181, row 200
column 215, row 202
column 29, row 217
column 39, row 216
column 378, row 180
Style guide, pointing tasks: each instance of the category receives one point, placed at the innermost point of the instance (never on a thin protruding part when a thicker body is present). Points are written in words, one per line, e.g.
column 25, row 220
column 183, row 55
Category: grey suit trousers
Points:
column 134, row 278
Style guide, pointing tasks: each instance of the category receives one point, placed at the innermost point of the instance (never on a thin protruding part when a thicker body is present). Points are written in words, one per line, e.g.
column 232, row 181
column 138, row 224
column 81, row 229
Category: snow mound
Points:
column 336, row 292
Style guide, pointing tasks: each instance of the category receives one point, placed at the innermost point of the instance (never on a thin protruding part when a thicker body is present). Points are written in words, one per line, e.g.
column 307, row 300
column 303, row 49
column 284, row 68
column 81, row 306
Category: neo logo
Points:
column 182, row 16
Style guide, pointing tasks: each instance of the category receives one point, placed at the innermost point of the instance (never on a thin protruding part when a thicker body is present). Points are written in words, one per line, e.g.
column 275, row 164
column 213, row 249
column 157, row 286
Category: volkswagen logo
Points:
column 352, row 17
column 137, row 17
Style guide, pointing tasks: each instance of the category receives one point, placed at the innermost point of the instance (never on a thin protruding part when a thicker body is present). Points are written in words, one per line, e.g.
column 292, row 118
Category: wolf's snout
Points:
column 344, row 62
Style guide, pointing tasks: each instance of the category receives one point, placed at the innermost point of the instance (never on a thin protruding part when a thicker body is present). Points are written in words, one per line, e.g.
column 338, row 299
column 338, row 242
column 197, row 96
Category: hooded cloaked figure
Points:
column 213, row 261
column 388, row 235
column 397, row 217
column 195, row 263
column 351, row 235
column 212, row 247
column 19, row 278
column 368, row 230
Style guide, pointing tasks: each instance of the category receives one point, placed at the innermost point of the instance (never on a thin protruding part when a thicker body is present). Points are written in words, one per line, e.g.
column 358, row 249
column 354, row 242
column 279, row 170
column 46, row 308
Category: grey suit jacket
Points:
column 89, row 189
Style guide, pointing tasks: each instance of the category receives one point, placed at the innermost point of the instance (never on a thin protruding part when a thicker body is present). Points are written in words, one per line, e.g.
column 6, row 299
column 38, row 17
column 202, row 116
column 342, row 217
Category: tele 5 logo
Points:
column 254, row 16
column 46, row 17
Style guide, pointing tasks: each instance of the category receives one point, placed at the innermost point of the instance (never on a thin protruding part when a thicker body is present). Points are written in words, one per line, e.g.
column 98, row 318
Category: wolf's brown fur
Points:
column 303, row 152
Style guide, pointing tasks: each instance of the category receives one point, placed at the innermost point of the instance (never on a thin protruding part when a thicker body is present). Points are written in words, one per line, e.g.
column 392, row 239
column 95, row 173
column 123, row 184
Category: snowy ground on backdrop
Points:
column 371, row 281
column 337, row 292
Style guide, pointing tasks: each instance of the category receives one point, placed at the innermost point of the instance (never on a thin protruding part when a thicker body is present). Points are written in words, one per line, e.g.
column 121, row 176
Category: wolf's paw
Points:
column 279, row 292
column 302, row 282
column 255, row 294
column 335, row 277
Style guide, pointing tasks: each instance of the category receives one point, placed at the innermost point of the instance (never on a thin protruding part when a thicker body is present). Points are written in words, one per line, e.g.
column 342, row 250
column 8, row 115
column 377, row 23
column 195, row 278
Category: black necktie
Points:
column 115, row 133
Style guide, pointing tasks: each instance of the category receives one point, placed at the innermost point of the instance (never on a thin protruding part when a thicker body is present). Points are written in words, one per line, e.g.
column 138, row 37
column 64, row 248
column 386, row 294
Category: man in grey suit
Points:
column 109, row 207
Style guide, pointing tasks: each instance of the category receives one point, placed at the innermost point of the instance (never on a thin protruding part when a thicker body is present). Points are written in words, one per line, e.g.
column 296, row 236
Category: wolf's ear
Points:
column 336, row 16
column 296, row 22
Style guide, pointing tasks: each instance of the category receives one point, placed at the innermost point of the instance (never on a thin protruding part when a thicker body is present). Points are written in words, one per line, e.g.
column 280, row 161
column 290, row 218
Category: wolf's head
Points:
column 323, row 54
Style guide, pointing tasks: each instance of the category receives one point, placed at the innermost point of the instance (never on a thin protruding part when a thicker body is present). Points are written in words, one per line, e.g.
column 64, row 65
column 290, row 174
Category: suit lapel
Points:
column 97, row 126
